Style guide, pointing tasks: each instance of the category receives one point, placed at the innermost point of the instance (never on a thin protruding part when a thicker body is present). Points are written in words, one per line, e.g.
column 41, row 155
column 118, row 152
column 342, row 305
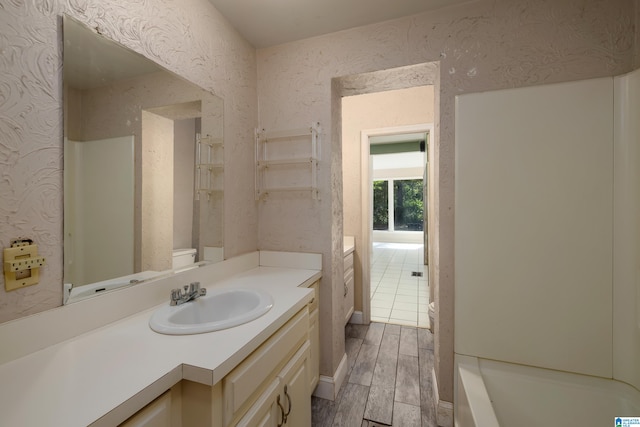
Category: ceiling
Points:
column 271, row 22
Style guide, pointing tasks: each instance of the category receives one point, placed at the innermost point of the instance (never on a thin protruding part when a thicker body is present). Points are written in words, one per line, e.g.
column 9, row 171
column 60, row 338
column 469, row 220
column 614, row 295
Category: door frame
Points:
column 366, row 193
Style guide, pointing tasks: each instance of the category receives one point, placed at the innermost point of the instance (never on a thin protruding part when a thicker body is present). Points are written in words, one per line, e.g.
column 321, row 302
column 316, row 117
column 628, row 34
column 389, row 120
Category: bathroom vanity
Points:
column 122, row 373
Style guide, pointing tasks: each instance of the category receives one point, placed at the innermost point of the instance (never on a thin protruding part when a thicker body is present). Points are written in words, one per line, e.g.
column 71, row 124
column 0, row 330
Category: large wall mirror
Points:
column 143, row 167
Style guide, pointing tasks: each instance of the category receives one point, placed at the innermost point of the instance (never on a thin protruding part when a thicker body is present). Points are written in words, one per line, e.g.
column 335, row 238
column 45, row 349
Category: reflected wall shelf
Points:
column 209, row 165
column 287, row 161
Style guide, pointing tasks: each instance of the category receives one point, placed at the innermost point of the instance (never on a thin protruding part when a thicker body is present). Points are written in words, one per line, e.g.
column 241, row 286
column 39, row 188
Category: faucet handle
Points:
column 176, row 295
column 194, row 287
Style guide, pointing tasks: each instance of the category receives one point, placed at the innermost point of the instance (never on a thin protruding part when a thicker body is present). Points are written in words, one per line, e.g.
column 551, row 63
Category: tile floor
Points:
column 397, row 297
column 388, row 383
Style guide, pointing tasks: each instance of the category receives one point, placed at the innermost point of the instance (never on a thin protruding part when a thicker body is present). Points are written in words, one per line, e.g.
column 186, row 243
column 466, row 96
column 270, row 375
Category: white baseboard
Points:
column 357, row 318
column 328, row 387
column 444, row 409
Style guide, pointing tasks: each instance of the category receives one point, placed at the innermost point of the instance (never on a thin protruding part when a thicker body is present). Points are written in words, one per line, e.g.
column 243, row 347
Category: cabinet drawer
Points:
column 314, row 302
column 348, row 277
column 247, row 378
column 348, row 298
column 348, row 287
column 348, row 262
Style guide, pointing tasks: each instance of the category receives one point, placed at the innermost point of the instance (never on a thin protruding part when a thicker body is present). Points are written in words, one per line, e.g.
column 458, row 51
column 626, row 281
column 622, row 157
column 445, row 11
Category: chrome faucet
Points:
column 187, row 293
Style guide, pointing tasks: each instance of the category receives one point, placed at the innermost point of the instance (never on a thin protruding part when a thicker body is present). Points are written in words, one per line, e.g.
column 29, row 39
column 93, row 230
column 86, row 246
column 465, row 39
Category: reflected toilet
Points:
column 183, row 259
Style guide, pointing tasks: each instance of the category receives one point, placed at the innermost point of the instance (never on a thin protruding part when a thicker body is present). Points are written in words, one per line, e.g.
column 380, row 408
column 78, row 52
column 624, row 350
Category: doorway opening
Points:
column 357, row 192
column 385, row 144
column 399, row 291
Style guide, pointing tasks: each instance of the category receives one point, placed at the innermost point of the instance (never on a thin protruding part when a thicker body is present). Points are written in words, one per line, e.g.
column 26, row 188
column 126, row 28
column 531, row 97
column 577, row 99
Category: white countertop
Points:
column 75, row 382
column 349, row 244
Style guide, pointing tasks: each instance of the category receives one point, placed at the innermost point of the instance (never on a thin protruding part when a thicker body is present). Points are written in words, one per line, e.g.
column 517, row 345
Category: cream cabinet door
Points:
column 347, row 304
column 296, row 395
column 265, row 412
column 287, row 400
column 241, row 384
column 155, row 414
column 348, row 296
column 314, row 338
column 314, row 350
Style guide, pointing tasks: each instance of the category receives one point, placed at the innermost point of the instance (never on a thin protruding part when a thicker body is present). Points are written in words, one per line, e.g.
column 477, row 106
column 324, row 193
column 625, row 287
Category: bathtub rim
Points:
column 473, row 403
column 471, row 394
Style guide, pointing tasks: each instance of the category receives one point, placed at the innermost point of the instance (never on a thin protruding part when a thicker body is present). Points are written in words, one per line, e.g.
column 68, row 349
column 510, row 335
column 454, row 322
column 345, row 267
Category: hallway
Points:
column 397, row 295
column 389, row 380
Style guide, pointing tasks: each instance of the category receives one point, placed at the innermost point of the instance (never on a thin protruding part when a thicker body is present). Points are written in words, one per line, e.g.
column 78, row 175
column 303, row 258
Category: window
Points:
column 407, row 206
column 380, row 205
column 407, row 209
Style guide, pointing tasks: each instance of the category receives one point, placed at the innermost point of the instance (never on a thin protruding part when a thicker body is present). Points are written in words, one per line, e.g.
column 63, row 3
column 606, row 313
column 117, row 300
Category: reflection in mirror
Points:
column 143, row 167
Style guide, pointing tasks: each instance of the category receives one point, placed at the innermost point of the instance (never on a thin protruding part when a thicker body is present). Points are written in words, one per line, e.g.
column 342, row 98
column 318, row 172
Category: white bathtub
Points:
column 491, row 394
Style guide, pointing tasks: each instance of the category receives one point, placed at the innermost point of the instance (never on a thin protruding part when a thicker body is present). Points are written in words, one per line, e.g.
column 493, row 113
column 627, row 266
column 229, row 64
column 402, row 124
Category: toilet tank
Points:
column 183, row 257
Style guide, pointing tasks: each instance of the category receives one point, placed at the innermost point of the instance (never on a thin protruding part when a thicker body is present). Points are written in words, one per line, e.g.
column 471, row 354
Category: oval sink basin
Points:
column 219, row 309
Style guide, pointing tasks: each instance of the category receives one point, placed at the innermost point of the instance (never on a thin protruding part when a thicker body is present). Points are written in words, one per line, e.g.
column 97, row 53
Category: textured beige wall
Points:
column 373, row 111
column 157, row 193
column 184, row 159
column 482, row 45
column 115, row 110
column 190, row 38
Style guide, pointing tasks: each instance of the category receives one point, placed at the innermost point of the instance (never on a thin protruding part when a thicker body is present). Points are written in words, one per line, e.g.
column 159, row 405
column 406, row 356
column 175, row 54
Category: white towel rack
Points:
column 209, row 165
column 287, row 161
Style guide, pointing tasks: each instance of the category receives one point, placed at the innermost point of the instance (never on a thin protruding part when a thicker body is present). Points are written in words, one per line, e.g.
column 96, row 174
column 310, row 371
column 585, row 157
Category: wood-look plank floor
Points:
column 388, row 381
